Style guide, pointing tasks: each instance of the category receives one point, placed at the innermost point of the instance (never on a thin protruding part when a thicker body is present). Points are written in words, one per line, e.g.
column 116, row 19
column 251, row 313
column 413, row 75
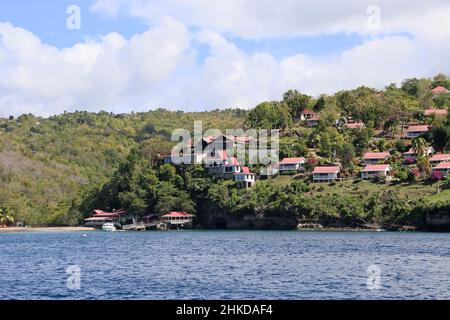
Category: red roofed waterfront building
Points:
column 100, row 217
column 178, row 219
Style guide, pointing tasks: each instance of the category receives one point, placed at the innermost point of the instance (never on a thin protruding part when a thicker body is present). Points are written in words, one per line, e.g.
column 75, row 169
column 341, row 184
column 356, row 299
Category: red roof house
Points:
column 440, row 157
column 417, row 131
column 326, row 174
column 439, row 89
column 375, row 157
column 437, row 112
column 291, row 164
column 375, row 170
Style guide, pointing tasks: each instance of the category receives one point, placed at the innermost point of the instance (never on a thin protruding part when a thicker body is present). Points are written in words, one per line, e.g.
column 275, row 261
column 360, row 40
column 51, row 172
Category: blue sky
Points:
column 142, row 54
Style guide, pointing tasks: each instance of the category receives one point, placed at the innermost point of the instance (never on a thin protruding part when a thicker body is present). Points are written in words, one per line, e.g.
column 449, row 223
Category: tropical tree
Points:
column 420, row 146
column 6, row 217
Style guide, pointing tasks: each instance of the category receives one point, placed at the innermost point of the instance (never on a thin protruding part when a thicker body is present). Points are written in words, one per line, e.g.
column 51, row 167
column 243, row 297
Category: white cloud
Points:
column 105, row 74
column 269, row 18
column 158, row 67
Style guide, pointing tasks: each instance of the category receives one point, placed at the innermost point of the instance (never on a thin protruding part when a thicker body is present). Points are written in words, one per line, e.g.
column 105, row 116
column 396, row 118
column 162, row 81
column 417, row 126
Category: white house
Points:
column 375, row 157
column 412, row 154
column 436, row 112
column 326, row 174
column 416, row 131
column 438, row 158
column 313, row 121
column 355, row 125
column 443, row 167
column 291, row 164
column 230, row 168
column 376, row 170
column 307, row 114
column 245, row 179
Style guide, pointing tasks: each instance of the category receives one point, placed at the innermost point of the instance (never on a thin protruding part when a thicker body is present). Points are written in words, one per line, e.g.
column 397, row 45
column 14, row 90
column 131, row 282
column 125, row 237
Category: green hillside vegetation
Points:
column 56, row 170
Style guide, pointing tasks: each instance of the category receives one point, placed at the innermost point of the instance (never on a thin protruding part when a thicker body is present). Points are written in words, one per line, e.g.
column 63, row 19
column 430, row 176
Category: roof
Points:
column 423, row 128
column 333, row 169
column 412, row 151
column 439, row 89
column 377, row 167
column 355, row 125
column 443, row 165
column 376, row 155
column 438, row 112
column 307, row 111
column 314, row 118
column 234, row 161
column 221, row 154
column 101, row 213
column 178, row 214
column 440, row 157
column 293, row 160
column 97, row 219
column 245, row 170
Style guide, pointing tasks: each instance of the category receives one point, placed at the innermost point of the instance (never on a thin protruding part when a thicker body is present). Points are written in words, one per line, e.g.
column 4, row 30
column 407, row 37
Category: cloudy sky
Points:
column 205, row 54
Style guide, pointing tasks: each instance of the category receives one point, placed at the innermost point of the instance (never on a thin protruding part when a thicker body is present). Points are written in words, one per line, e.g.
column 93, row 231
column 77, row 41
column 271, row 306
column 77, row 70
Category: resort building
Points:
column 118, row 217
column 436, row 112
column 326, row 174
column 178, row 219
column 245, row 179
column 313, row 121
column 230, row 169
column 292, row 164
column 438, row 158
column 375, row 157
column 439, row 90
column 443, row 168
column 354, row 125
column 376, row 170
column 412, row 154
column 307, row 114
column 416, row 131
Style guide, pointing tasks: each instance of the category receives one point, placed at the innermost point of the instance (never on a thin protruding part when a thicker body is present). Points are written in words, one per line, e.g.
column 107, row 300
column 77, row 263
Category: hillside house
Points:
column 442, row 168
column 326, row 174
column 438, row 158
column 245, row 179
column 412, row 154
column 416, row 131
column 291, row 164
column 375, row 158
column 376, row 170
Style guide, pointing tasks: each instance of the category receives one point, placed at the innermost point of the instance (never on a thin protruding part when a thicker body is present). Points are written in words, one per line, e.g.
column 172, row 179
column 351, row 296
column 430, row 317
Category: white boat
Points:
column 109, row 226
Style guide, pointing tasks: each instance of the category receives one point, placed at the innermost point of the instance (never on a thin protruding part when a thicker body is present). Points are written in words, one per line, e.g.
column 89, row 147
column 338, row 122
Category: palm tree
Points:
column 5, row 217
column 420, row 146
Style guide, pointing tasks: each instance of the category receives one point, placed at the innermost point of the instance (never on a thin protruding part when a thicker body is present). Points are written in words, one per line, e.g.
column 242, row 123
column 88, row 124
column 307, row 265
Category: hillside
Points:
column 48, row 165
column 56, row 170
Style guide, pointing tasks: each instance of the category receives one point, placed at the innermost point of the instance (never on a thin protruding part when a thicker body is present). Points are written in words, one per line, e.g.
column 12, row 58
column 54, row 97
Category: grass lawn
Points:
column 408, row 191
column 442, row 196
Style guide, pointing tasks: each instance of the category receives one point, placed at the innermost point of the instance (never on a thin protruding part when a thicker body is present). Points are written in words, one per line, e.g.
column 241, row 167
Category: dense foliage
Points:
column 57, row 169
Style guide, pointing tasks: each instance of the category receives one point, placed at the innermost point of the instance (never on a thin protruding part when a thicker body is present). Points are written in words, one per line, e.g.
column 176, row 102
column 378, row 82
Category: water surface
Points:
column 225, row 265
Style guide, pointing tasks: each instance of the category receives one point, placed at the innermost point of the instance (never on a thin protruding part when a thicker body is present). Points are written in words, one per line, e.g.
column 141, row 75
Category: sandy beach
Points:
column 49, row 229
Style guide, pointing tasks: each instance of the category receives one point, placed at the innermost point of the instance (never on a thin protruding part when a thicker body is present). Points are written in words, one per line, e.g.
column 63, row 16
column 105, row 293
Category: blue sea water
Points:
column 225, row 265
